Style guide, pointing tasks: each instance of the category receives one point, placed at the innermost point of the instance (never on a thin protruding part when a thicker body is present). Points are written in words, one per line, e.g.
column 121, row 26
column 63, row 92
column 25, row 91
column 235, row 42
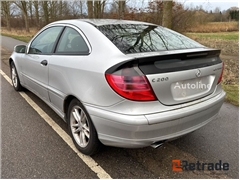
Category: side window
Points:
column 71, row 42
column 44, row 42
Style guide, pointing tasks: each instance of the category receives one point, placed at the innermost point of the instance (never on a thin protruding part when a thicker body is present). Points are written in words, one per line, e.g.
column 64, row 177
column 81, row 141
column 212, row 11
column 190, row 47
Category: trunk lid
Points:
column 180, row 76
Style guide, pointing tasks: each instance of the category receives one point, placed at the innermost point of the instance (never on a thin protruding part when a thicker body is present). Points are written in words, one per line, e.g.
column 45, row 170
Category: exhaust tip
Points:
column 157, row 144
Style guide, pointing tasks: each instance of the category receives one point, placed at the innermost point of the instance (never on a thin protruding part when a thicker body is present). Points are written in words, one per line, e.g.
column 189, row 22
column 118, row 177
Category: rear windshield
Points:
column 135, row 38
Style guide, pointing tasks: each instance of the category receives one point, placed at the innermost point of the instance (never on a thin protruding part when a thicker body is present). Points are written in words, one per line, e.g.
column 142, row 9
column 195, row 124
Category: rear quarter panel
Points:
column 83, row 76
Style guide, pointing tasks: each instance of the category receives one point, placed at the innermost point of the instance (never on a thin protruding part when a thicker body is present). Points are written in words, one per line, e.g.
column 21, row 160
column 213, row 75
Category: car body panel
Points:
column 35, row 75
column 74, row 77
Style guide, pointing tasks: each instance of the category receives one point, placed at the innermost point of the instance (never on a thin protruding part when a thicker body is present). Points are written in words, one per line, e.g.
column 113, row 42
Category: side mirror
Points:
column 20, row 49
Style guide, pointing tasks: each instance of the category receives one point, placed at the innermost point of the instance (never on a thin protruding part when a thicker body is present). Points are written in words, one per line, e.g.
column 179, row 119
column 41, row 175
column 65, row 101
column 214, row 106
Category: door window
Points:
column 44, row 42
column 71, row 42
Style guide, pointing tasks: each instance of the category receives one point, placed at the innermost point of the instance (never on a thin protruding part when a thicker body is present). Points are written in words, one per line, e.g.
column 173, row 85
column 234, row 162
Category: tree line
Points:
column 171, row 14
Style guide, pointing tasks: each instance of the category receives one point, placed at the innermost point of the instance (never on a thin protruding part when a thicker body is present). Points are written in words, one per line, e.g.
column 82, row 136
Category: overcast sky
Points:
column 211, row 4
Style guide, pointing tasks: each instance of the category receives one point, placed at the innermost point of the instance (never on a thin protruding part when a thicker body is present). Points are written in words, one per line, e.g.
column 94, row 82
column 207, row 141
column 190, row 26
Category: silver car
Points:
column 121, row 83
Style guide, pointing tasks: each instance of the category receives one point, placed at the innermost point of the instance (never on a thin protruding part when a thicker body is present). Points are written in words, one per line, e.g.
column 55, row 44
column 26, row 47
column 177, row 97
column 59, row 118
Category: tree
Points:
column 36, row 8
column 77, row 8
column 167, row 14
column 155, row 9
column 65, row 9
column 53, row 10
column 23, row 5
column 121, row 8
column 90, row 9
column 99, row 8
column 30, row 7
column 96, row 8
column 45, row 11
column 234, row 14
column 6, row 11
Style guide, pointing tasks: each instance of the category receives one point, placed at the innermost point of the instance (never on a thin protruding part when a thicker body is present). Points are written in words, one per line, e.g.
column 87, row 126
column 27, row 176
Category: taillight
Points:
column 131, row 84
column 220, row 78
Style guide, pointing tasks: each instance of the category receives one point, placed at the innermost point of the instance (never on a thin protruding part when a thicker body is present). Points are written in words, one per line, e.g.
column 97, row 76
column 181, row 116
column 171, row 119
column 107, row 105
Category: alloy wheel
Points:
column 79, row 125
column 14, row 77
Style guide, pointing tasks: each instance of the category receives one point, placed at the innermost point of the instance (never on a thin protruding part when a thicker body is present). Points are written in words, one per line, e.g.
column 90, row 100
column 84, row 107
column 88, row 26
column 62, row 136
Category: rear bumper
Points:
column 142, row 130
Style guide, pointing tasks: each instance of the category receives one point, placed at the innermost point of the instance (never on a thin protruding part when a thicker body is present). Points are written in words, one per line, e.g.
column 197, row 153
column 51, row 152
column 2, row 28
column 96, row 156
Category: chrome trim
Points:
column 198, row 73
column 158, row 144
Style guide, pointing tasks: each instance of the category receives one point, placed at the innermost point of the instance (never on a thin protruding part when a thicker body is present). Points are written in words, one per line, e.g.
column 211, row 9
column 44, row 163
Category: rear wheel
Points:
column 81, row 129
column 15, row 79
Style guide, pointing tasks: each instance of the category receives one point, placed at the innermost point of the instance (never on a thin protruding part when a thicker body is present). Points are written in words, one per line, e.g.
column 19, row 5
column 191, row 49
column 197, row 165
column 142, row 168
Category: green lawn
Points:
column 20, row 38
column 232, row 94
column 222, row 35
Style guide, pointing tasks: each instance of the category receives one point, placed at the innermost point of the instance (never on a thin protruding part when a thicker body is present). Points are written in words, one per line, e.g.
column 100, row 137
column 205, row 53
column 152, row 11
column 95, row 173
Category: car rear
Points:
column 170, row 85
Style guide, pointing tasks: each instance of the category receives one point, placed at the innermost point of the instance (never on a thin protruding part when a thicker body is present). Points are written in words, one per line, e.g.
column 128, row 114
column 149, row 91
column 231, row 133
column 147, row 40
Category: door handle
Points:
column 44, row 63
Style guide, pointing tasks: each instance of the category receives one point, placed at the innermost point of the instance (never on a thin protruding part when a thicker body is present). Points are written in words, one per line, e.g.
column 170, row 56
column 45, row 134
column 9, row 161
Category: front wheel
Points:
column 81, row 129
column 15, row 79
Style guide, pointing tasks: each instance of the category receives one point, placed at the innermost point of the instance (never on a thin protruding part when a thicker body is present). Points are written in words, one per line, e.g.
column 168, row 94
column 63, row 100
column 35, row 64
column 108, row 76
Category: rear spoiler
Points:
column 179, row 62
column 171, row 62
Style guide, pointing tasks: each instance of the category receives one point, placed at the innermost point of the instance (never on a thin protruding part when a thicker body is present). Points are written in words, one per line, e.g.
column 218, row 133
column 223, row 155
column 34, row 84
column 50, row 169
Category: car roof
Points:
column 101, row 22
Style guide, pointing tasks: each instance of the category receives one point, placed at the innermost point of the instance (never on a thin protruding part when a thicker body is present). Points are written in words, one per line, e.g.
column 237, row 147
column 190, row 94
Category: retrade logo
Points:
column 176, row 165
column 183, row 165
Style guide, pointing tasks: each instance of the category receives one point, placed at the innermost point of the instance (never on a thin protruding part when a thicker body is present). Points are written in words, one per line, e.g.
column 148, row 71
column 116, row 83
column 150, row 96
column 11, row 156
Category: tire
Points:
column 15, row 78
column 81, row 129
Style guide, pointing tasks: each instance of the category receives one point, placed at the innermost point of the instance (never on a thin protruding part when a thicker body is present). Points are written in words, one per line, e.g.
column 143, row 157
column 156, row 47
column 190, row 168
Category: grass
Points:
column 232, row 94
column 20, row 38
column 19, row 34
column 218, row 36
column 215, row 27
column 226, row 41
